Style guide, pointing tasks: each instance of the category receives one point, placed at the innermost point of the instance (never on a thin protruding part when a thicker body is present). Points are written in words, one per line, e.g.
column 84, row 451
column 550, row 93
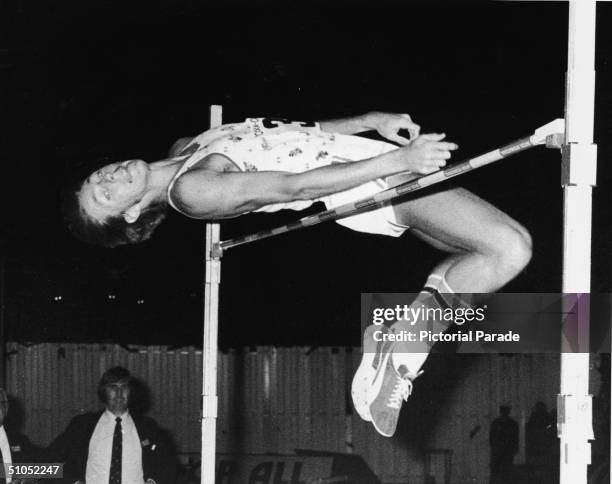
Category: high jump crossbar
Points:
column 549, row 134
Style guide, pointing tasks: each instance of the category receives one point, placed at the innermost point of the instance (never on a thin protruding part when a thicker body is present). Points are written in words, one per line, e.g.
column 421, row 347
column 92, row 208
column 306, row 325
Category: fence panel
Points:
column 280, row 399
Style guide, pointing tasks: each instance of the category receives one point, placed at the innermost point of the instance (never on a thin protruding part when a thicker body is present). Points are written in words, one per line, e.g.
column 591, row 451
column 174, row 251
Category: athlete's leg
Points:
column 489, row 247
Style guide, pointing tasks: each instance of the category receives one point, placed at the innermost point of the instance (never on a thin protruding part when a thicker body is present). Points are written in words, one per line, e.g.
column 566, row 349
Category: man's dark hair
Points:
column 114, row 231
column 115, row 374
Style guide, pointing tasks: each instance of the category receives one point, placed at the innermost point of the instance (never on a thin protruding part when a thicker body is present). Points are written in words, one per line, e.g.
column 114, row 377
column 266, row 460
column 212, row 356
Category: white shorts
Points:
column 381, row 220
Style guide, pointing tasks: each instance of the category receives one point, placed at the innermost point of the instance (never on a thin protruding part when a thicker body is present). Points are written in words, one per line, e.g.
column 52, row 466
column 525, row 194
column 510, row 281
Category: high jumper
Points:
column 268, row 164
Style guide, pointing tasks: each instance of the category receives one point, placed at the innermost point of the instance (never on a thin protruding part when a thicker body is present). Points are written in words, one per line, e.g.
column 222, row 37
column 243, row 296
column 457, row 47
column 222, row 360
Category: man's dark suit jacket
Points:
column 22, row 451
column 72, row 448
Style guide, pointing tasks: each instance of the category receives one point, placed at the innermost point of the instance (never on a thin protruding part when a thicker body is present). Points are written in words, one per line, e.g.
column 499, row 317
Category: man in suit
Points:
column 113, row 446
column 15, row 448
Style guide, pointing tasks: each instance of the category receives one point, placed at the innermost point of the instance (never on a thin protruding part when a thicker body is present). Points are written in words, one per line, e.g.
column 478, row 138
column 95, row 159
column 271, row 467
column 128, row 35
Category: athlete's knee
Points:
column 512, row 248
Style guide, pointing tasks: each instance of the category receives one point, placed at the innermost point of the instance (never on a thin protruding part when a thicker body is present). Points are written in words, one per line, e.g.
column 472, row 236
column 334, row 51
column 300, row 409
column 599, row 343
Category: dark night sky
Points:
column 125, row 79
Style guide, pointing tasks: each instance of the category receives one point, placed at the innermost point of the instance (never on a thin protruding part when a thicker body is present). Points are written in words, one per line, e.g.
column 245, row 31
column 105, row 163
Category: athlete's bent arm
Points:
column 387, row 125
column 208, row 193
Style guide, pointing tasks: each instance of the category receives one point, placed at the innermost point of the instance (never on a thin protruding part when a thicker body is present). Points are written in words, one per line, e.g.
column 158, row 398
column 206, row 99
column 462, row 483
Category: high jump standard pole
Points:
column 574, row 421
column 209, row 347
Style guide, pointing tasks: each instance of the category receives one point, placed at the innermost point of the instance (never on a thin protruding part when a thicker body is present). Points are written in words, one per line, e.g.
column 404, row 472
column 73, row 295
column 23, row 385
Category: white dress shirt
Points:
column 101, row 448
column 5, row 448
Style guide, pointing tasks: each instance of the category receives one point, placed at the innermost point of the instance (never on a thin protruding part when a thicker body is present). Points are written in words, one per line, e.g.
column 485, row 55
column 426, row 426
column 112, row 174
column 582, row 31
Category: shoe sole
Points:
column 359, row 387
column 380, row 431
column 364, row 377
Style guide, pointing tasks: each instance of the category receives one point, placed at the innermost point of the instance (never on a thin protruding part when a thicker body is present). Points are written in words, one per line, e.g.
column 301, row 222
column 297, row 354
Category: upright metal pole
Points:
column 209, row 348
column 578, row 177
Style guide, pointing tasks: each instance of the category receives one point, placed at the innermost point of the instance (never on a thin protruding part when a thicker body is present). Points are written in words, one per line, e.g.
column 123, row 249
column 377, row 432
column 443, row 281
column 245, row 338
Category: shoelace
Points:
column 401, row 391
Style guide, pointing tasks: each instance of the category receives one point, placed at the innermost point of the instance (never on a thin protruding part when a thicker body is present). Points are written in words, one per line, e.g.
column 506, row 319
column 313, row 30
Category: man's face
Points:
column 3, row 406
column 117, row 397
column 114, row 188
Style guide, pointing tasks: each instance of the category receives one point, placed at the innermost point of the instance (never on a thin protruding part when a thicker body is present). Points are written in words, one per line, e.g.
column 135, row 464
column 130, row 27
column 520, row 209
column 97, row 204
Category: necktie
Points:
column 115, row 468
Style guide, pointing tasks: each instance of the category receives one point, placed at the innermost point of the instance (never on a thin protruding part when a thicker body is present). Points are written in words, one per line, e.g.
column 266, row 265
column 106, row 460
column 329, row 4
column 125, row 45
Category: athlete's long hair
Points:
column 114, row 231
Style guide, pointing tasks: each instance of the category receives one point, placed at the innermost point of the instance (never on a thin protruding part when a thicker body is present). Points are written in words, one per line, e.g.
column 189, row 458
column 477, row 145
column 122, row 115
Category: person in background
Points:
column 15, row 448
column 113, row 446
column 503, row 438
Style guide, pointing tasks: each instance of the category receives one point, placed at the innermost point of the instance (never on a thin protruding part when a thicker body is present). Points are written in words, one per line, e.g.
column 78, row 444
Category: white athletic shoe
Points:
column 373, row 361
column 393, row 387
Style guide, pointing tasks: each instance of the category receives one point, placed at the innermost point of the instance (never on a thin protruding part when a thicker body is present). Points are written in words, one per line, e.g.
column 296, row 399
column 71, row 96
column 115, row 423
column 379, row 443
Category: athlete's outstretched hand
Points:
column 427, row 153
column 388, row 125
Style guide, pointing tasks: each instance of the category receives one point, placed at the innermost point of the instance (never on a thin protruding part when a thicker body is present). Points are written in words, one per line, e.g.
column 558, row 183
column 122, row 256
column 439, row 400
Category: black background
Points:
column 125, row 79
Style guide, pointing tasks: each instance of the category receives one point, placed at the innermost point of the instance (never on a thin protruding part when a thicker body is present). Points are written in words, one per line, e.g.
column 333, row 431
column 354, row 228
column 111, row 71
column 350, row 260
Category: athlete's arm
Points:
column 211, row 193
column 387, row 125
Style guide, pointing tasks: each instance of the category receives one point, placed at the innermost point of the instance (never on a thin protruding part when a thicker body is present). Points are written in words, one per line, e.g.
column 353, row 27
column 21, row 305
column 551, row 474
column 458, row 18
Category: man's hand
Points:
column 150, row 481
column 426, row 153
column 388, row 126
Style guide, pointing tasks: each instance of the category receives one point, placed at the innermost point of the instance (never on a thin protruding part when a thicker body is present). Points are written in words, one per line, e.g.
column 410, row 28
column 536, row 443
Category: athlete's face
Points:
column 114, row 190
